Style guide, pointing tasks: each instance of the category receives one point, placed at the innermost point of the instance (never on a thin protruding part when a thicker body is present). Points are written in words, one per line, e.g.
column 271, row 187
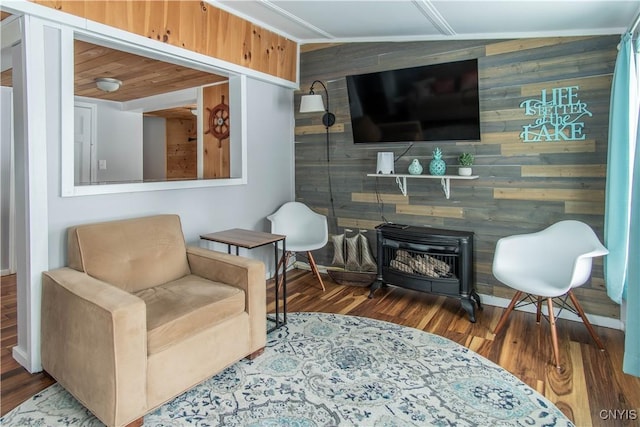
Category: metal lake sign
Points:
column 559, row 115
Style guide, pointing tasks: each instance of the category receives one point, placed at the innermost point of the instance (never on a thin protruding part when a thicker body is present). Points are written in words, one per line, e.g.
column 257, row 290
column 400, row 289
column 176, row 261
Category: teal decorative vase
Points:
column 415, row 168
column 437, row 166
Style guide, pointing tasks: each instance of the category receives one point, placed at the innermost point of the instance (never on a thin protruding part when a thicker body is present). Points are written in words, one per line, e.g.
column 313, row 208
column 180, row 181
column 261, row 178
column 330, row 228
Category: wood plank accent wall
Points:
column 523, row 187
column 193, row 25
column 216, row 162
column 181, row 148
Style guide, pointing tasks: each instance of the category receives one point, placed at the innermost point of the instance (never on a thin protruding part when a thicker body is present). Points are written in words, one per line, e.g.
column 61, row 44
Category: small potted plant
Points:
column 465, row 160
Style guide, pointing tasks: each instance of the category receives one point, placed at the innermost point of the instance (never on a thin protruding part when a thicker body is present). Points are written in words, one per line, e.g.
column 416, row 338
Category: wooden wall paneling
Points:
column 549, row 194
column 138, row 17
column 493, row 138
column 318, row 129
column 357, row 224
column 6, row 78
column 442, row 211
column 154, row 22
column 73, row 7
column 571, row 171
column 193, row 25
column 527, row 44
column 182, row 26
column 246, row 39
column 216, row 157
column 181, row 151
column 523, row 187
column 591, row 83
column 116, row 15
column 586, row 208
column 388, row 198
column 532, row 148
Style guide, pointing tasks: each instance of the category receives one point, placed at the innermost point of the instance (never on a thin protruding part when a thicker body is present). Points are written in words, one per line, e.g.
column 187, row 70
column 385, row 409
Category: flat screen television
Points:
column 428, row 103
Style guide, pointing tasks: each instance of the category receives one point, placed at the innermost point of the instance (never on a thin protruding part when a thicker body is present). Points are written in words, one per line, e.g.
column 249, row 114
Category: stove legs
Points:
column 476, row 298
column 469, row 305
column 375, row 286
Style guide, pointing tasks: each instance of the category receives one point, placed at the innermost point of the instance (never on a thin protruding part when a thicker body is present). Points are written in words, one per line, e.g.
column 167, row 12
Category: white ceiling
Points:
column 334, row 21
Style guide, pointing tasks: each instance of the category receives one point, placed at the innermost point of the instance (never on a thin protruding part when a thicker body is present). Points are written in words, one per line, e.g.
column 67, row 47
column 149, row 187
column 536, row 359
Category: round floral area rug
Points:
column 335, row 370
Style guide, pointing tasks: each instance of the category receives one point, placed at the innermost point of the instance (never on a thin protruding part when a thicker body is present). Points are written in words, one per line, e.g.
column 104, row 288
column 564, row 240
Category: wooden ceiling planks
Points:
column 141, row 77
column 183, row 113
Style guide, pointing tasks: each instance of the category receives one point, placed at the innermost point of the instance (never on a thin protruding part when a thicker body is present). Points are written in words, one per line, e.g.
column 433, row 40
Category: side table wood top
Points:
column 248, row 239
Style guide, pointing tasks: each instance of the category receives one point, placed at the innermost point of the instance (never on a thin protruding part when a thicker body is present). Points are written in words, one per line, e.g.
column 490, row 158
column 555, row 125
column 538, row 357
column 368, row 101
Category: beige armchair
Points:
column 137, row 317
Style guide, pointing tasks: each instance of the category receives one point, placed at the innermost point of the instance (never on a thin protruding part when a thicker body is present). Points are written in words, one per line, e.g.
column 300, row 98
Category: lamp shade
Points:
column 311, row 104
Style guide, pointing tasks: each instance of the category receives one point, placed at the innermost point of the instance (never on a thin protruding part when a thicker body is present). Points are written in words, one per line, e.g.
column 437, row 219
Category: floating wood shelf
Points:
column 445, row 180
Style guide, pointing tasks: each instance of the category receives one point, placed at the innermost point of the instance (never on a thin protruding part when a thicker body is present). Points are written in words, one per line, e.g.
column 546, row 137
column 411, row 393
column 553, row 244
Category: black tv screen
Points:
column 428, row 103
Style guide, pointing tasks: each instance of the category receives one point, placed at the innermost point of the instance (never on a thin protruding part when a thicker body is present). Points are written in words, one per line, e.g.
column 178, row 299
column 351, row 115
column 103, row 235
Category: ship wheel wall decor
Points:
column 219, row 121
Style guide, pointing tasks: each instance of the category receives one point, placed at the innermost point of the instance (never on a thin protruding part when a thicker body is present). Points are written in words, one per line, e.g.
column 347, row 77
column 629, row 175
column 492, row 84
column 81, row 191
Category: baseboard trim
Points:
column 270, row 274
column 305, row 266
column 607, row 322
column 21, row 357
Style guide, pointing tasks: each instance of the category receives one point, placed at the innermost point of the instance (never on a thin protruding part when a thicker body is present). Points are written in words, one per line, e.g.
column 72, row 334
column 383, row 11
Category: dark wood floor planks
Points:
column 16, row 383
column 590, row 385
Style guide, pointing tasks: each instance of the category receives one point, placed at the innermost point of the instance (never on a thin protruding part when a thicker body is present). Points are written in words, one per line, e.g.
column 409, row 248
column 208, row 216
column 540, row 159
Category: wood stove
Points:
column 427, row 260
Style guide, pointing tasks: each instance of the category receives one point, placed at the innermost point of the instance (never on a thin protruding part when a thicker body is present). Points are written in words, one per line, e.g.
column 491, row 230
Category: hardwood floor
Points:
column 591, row 389
column 16, row 383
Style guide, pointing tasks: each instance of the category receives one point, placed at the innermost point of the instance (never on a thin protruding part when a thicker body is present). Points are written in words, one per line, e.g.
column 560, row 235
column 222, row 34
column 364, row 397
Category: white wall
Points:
column 119, row 143
column 154, row 153
column 270, row 183
column 5, row 174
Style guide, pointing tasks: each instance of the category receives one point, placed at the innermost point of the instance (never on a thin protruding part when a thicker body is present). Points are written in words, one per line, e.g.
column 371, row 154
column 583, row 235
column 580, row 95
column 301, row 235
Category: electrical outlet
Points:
column 102, row 165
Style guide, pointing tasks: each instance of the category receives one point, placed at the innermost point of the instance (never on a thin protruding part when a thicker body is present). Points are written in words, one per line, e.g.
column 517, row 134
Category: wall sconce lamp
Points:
column 107, row 84
column 312, row 103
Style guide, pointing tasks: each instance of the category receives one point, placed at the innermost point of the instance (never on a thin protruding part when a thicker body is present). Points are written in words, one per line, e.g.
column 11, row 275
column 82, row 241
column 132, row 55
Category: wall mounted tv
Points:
column 428, row 103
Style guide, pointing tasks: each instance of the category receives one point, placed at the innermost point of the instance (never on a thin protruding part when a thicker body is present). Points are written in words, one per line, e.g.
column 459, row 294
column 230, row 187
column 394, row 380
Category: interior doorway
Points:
column 7, row 181
column 84, row 147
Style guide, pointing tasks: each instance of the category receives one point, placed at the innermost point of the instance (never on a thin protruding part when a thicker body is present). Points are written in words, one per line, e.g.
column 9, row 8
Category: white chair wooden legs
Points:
column 314, row 269
column 312, row 263
column 517, row 298
column 554, row 333
column 505, row 315
column 586, row 322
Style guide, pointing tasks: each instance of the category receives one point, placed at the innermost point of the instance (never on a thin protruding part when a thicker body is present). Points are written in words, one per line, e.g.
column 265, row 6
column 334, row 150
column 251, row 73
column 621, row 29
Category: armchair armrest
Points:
column 244, row 273
column 95, row 333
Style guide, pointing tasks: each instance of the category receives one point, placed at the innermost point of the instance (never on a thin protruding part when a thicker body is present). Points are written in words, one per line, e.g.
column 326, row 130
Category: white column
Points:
column 32, row 227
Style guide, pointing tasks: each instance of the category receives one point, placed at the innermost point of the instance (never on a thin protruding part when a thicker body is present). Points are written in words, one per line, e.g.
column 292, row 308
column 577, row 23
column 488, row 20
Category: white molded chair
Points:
column 548, row 264
column 305, row 230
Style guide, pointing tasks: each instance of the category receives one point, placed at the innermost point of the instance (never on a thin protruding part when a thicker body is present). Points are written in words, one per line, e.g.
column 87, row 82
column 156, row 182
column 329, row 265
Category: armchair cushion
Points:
column 184, row 307
column 154, row 253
